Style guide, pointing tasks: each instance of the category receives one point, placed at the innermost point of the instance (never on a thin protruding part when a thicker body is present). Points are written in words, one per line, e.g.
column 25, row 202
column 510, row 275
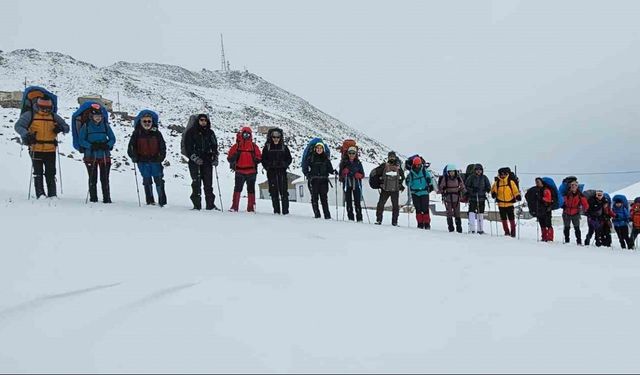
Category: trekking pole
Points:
column 59, row 167
column 135, row 172
column 409, row 206
column 30, row 173
column 219, row 191
column 519, row 213
column 335, row 179
column 490, row 224
column 344, row 198
column 363, row 201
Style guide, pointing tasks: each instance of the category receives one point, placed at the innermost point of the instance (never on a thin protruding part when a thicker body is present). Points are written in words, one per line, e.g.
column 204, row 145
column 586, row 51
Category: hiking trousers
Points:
column 353, row 197
column 320, row 191
column 384, row 196
column 278, row 190
column 95, row 168
column 634, row 234
column 623, row 237
column 574, row 220
column 202, row 175
column 44, row 163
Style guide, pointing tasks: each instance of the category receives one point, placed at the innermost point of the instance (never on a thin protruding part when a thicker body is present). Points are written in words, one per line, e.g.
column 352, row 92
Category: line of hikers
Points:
column 39, row 126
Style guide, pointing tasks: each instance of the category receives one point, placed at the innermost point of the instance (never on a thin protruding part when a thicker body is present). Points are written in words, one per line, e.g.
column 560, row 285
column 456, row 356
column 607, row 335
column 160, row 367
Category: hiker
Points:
column 477, row 187
column 451, row 186
column 351, row 175
column 505, row 191
column 97, row 140
column 201, row 146
column 598, row 216
column 544, row 203
column 276, row 158
column 244, row 157
column 574, row 204
column 634, row 212
column 38, row 128
column 420, row 183
column 391, row 181
column 621, row 220
column 148, row 150
column 318, row 167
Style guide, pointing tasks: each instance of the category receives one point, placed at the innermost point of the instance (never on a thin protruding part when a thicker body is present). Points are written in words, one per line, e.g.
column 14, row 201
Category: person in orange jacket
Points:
column 244, row 157
column 505, row 191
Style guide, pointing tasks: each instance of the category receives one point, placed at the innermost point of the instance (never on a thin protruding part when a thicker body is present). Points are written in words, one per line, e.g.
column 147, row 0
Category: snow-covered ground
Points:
column 118, row 288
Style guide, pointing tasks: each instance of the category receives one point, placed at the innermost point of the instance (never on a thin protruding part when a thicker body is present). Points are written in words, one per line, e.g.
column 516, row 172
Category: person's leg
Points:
column 456, row 215
column 158, row 178
column 237, row 190
column 196, row 178
column 274, row 193
column 324, row 198
column 49, row 159
column 634, row 235
column 504, row 219
column 348, row 195
column 147, row 183
column 251, row 192
column 283, row 185
column 512, row 220
column 92, row 171
column 315, row 196
column 480, row 216
column 395, row 206
column 473, row 206
column 357, row 200
column 206, row 173
column 384, row 195
column 37, row 160
column 105, row 167
column 426, row 217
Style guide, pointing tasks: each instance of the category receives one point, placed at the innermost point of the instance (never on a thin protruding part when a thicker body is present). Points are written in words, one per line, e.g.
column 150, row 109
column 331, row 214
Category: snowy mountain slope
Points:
column 118, row 288
column 233, row 99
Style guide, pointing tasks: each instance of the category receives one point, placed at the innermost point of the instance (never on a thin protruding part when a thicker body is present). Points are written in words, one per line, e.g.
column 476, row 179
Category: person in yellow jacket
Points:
column 39, row 130
column 505, row 191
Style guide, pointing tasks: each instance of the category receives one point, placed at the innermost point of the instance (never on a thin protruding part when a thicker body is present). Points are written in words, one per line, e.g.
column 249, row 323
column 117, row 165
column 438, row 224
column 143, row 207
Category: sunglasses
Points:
column 274, row 137
column 147, row 121
column 352, row 152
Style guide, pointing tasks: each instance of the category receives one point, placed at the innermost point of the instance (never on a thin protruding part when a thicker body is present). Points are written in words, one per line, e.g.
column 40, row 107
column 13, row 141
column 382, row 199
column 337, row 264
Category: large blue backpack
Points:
column 80, row 118
column 307, row 150
column 558, row 199
column 32, row 93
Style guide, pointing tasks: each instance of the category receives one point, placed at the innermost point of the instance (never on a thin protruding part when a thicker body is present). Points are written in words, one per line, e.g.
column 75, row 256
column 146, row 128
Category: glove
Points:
column 335, row 172
column 134, row 160
column 57, row 129
column 518, row 197
column 493, row 195
column 29, row 139
column 358, row 176
column 345, row 172
column 214, row 161
column 401, row 188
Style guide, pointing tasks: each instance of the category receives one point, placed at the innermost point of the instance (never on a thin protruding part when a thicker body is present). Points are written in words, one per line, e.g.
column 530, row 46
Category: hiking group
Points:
column 39, row 125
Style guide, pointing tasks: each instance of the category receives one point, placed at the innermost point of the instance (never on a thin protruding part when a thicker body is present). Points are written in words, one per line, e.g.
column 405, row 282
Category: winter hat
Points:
column 417, row 162
column 637, row 200
column 352, row 149
column 392, row 154
column 319, row 144
column 451, row 168
column 479, row 167
column 504, row 170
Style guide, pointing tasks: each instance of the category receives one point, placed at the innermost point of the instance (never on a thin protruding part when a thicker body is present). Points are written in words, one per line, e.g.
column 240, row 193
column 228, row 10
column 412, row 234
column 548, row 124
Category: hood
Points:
column 244, row 129
column 199, row 115
column 143, row 113
column 622, row 199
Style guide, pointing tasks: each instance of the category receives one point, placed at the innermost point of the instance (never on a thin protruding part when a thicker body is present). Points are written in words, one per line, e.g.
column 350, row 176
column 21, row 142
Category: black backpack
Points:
column 374, row 177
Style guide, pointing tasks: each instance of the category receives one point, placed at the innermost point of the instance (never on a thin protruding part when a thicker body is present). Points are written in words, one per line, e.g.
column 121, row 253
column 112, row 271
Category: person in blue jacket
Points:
column 97, row 140
column 420, row 182
column 621, row 220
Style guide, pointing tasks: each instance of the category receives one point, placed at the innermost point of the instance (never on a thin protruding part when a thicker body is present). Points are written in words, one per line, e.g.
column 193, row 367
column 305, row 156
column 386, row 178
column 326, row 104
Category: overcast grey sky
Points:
column 551, row 86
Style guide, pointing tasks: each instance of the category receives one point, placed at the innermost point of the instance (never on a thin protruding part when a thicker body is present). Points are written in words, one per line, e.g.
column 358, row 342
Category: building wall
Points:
column 303, row 195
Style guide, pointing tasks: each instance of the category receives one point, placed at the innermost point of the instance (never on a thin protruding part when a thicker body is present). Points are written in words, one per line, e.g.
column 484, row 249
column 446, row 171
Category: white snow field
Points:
column 118, row 288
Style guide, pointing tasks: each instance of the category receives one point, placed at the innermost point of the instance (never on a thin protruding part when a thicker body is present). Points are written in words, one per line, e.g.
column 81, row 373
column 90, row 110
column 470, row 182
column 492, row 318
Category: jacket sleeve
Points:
column 188, row 143
column 112, row 137
column 463, row 188
column 486, row 186
column 258, row 153
column 131, row 148
column 61, row 123
column 231, row 156
column 287, row 156
column 214, row 142
column 585, row 204
column 163, row 147
column 401, row 174
column 514, row 189
column 494, row 188
column 266, row 162
column 329, row 166
column 22, row 125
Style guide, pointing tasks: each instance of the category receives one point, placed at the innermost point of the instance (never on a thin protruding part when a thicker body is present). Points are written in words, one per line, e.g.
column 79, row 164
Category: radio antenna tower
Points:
column 223, row 59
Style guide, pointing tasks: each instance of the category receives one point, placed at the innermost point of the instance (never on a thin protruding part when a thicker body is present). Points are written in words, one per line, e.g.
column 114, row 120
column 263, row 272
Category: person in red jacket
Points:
column 244, row 158
column 574, row 203
column 545, row 200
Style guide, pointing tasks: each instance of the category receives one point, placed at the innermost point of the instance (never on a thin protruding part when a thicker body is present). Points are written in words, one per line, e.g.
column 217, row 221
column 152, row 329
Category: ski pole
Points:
column 59, row 167
column 135, row 172
column 366, row 211
column 30, row 174
column 219, row 191
column 335, row 179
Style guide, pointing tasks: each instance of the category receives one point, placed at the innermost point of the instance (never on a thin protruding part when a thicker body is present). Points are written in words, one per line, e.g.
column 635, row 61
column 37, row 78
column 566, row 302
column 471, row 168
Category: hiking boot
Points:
column 148, row 195
column 235, row 201
column 480, row 232
column 51, row 186
column 458, row 225
column 378, row 223
column 420, row 226
column 251, row 202
column 394, row 224
column 427, row 226
column 450, row 224
column 38, row 183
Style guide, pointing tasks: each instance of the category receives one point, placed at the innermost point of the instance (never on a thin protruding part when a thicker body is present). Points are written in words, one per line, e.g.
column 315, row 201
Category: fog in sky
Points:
column 549, row 86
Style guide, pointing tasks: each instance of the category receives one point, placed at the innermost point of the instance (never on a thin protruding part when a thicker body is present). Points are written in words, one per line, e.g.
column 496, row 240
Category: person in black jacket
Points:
column 351, row 175
column 148, row 149
column 276, row 158
column 478, row 186
column 202, row 147
column 317, row 172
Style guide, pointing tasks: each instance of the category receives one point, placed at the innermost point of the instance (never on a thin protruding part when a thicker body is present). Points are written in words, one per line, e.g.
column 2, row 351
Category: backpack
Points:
column 623, row 199
column 345, row 147
column 408, row 164
column 471, row 168
column 307, row 150
column 557, row 199
column 193, row 119
column 80, row 118
column 31, row 94
column 445, row 172
column 374, row 177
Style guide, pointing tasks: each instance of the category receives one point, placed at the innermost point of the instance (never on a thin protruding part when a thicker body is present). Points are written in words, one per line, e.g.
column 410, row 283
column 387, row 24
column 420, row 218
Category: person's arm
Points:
column 287, row 156
column 112, row 137
column 61, row 124
column 22, row 125
column 132, row 147
column 266, row 158
column 516, row 191
column 258, row 154
column 163, row 148
column 82, row 138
